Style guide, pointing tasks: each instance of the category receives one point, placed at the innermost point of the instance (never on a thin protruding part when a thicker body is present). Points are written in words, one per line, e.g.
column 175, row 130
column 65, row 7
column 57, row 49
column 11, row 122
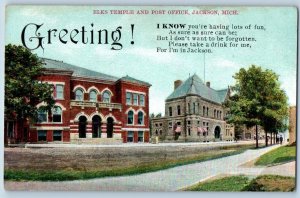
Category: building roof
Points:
column 195, row 86
column 133, row 80
column 82, row 72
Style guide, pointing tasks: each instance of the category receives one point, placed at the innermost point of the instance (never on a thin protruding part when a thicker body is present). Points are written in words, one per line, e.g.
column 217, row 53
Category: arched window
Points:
column 170, row 111
column 42, row 115
column 130, row 117
column 56, row 114
column 140, row 118
column 178, row 110
column 93, row 96
column 106, row 97
column 79, row 95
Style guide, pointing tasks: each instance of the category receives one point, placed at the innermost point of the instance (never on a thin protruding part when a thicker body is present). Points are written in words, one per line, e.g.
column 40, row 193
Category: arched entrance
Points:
column 82, row 127
column 96, row 126
column 217, row 132
column 110, row 127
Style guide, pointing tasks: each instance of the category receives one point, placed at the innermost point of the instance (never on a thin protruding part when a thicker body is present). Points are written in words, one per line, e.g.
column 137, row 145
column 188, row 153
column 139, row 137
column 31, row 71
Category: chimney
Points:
column 177, row 83
column 208, row 84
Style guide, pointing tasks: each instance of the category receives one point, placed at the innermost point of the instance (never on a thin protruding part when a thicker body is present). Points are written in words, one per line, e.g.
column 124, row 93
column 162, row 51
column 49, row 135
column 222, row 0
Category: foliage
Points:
column 258, row 100
column 23, row 91
column 272, row 183
column 279, row 155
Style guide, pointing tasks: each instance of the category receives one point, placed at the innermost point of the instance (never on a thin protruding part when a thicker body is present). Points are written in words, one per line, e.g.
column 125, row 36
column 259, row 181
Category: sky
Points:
column 275, row 48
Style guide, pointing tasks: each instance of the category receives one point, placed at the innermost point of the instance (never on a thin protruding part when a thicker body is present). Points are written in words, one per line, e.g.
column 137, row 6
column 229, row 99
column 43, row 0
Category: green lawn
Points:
column 234, row 183
column 279, row 155
column 243, row 183
column 63, row 175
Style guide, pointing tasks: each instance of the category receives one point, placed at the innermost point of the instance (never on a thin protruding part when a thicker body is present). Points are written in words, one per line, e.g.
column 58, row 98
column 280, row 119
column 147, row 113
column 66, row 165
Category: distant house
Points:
column 194, row 112
column 89, row 107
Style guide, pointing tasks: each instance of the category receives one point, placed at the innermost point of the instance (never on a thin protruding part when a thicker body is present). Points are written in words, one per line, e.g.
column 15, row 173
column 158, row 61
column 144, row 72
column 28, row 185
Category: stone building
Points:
column 292, row 124
column 194, row 112
column 90, row 107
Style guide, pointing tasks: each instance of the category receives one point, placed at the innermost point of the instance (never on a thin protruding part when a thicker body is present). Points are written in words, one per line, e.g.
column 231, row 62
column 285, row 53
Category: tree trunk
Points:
column 266, row 134
column 256, row 134
column 271, row 139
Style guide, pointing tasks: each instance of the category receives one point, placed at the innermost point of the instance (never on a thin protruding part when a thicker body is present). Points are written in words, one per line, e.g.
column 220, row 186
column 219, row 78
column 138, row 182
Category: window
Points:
column 42, row 116
column 220, row 114
column 206, row 111
column 135, row 99
column 130, row 136
column 189, row 131
column 160, row 132
column 130, row 117
column 170, row 125
column 106, row 97
column 56, row 114
column 189, row 108
column 203, row 111
column 214, row 113
column 128, row 98
column 178, row 110
column 59, row 92
column 57, row 135
column 170, row 111
column 79, row 95
column 10, row 129
column 140, row 136
column 194, row 108
column 217, row 114
column 142, row 100
column 189, row 122
column 140, row 118
column 42, row 135
column 93, row 96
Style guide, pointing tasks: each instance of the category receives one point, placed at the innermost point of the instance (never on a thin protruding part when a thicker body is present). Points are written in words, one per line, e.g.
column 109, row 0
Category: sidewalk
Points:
column 165, row 180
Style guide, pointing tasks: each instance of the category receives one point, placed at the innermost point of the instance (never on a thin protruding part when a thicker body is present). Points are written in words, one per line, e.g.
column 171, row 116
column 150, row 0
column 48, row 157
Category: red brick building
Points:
column 89, row 107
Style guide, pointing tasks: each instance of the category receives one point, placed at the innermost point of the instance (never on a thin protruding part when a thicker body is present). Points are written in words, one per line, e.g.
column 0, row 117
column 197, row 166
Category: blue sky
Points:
column 275, row 48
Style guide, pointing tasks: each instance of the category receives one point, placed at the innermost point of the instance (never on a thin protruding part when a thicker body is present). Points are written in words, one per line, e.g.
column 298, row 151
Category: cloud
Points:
column 224, row 63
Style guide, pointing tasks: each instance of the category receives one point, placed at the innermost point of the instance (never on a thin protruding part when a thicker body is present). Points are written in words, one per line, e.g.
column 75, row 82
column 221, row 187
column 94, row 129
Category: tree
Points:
column 258, row 100
column 23, row 91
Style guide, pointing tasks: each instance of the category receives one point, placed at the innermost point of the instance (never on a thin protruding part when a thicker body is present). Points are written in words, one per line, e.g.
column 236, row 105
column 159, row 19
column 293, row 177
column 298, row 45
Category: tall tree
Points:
column 23, row 91
column 258, row 100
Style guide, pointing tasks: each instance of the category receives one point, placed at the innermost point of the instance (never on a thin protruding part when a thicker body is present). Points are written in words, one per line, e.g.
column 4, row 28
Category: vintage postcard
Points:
column 150, row 98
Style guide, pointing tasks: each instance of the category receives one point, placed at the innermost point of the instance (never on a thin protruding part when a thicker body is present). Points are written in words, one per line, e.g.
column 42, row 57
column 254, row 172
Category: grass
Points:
column 63, row 175
column 234, row 183
column 277, row 156
column 243, row 183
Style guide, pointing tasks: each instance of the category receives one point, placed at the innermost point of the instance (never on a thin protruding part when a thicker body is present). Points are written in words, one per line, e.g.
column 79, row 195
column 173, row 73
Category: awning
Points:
column 178, row 129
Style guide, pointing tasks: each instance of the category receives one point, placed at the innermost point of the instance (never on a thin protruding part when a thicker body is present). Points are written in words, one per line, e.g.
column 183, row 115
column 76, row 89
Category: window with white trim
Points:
column 42, row 116
column 57, row 114
column 93, row 96
column 135, row 99
column 130, row 117
column 59, row 91
column 42, row 135
column 140, row 118
column 142, row 100
column 128, row 98
column 130, row 136
column 79, row 95
column 106, row 97
column 57, row 135
column 140, row 136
